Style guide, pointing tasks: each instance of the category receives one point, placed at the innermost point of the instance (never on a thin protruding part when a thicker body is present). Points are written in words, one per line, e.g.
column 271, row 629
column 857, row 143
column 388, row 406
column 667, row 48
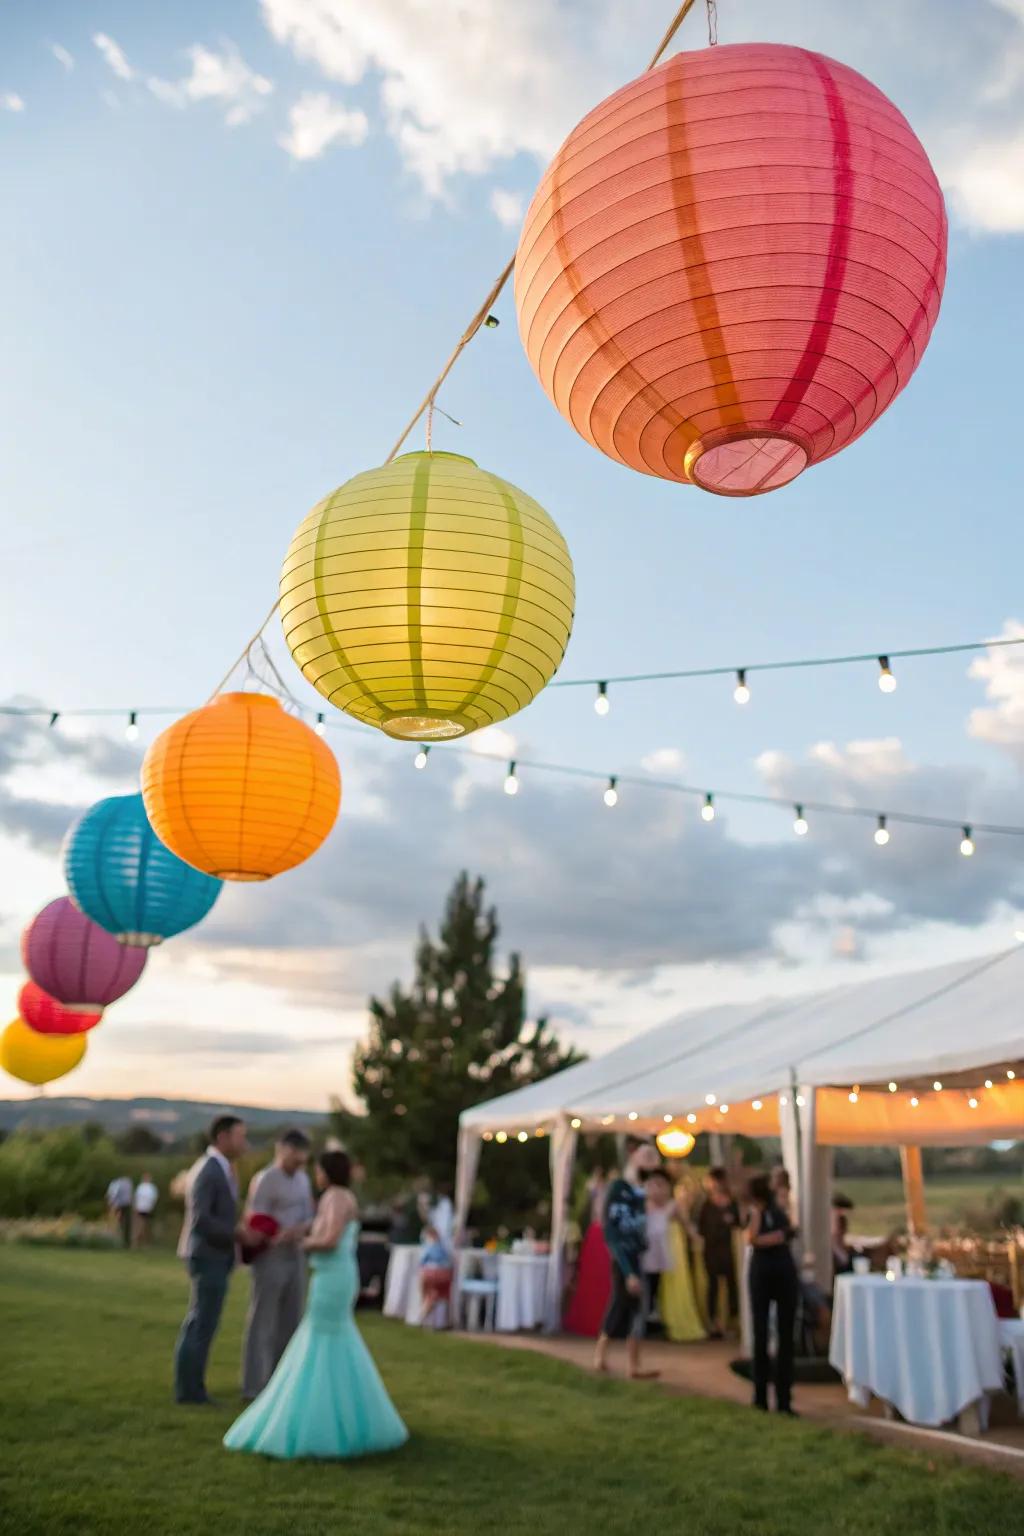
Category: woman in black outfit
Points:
column 773, row 1277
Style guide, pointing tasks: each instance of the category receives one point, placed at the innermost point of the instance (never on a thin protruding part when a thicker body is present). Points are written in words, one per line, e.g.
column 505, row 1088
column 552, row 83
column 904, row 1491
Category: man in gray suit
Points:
column 283, row 1193
column 207, row 1245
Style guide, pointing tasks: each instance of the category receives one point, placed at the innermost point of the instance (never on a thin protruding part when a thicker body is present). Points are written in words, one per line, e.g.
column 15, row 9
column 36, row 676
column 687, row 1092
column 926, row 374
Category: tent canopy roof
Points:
column 948, row 1019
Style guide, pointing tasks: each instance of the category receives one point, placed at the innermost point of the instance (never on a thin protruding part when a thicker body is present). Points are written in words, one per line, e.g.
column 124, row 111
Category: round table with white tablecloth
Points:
column 402, row 1288
column 930, row 1348
column 522, row 1291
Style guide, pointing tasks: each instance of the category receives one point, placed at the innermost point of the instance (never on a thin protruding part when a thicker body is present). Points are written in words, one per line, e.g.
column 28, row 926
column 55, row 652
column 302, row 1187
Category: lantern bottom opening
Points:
column 244, row 876
column 139, row 940
column 87, row 1010
column 429, row 725
column 746, row 462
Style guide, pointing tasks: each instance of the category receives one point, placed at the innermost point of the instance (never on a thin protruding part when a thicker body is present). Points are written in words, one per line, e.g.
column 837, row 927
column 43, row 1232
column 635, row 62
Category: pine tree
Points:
column 458, row 1036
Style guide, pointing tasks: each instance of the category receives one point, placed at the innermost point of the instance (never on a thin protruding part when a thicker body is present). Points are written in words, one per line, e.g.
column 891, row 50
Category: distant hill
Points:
column 170, row 1119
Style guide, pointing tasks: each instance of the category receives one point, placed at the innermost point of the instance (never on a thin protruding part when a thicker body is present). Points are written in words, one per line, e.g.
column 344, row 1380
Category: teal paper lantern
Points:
column 122, row 877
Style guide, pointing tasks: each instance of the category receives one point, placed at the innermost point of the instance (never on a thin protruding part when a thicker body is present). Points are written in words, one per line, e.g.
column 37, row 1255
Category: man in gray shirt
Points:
column 282, row 1192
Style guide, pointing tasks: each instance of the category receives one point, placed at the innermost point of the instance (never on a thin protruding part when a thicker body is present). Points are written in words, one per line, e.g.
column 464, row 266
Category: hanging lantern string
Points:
column 242, row 655
column 785, row 666
column 483, row 313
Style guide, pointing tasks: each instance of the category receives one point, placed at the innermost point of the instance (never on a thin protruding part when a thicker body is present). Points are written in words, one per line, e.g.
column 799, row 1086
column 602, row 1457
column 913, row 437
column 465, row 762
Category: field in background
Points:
column 502, row 1440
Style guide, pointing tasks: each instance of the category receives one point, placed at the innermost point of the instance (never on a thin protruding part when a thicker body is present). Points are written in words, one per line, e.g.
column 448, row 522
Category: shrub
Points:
column 51, row 1172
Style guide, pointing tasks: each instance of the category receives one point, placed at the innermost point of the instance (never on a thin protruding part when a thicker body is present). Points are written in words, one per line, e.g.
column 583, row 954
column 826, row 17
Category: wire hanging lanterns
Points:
column 732, row 266
column 240, row 789
column 75, row 960
column 46, row 1016
column 428, row 597
column 38, row 1059
column 121, row 875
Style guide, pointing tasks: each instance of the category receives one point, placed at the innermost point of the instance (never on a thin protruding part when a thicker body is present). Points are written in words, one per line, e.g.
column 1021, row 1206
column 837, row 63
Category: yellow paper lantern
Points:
column 38, row 1059
column 676, row 1142
column 241, row 789
column 428, row 597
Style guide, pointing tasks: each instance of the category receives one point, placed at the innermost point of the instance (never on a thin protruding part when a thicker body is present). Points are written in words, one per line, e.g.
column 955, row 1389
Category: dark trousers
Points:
column 715, row 1278
column 124, row 1221
column 773, row 1282
column 209, row 1287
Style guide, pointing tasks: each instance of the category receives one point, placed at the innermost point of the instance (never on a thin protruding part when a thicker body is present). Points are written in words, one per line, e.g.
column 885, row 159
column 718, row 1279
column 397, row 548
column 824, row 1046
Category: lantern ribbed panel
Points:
column 732, row 266
column 38, row 1059
column 121, row 875
column 428, row 597
column 46, row 1016
column 75, row 960
column 240, row 789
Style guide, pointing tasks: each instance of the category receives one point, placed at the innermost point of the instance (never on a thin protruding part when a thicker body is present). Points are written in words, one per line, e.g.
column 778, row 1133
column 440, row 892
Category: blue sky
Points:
column 209, row 326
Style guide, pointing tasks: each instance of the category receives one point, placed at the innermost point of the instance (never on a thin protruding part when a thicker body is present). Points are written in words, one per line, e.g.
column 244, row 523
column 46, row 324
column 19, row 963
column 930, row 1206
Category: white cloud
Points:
column 62, row 56
column 10, row 101
column 507, row 207
column 315, row 122
column 664, row 761
column 463, row 97
column 1001, row 669
column 224, row 78
column 114, row 55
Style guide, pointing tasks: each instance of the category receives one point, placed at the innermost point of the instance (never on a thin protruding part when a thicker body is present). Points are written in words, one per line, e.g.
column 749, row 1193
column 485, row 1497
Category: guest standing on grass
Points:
column 625, row 1231
column 146, row 1197
column 326, row 1398
column 119, row 1204
column 278, row 1270
column 718, row 1220
column 208, row 1237
column 773, row 1278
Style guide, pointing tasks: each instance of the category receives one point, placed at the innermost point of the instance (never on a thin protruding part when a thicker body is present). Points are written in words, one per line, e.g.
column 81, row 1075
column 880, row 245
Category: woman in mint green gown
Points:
column 326, row 1398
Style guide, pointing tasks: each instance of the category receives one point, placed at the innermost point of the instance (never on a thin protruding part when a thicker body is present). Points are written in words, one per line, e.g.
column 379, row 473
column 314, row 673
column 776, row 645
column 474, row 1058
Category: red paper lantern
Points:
column 46, row 1016
column 732, row 266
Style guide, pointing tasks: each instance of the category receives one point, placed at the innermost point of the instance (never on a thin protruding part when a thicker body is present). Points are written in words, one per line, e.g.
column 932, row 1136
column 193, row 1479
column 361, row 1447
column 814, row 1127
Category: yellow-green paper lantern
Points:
column 428, row 597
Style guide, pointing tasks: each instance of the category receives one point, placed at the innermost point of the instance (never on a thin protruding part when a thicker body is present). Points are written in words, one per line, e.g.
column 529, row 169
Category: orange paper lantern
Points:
column 732, row 266
column 240, row 789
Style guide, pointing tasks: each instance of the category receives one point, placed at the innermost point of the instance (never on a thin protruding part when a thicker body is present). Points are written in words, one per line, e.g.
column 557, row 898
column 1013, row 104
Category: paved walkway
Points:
column 703, row 1370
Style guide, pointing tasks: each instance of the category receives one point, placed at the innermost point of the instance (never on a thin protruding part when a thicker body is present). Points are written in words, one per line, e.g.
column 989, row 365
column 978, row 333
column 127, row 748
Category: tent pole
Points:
column 913, row 1189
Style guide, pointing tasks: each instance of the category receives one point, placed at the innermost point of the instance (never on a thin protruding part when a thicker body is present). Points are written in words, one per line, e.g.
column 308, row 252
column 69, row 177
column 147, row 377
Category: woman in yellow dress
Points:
column 677, row 1300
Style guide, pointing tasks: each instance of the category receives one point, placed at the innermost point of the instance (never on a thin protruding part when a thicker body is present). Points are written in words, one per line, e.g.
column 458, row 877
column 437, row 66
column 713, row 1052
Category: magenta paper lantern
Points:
column 75, row 960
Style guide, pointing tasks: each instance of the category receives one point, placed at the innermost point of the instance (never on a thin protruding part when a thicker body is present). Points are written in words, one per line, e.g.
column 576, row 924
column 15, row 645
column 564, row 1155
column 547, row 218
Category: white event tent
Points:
column 926, row 1057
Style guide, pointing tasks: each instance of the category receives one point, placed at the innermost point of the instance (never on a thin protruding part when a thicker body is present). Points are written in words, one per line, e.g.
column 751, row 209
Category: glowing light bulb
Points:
column 800, row 1101
column 724, row 1108
column 667, row 1119
column 502, row 1136
column 420, row 760
column 853, row 1097
column 602, row 704
column 988, row 1082
column 892, row 1087
column 1011, row 1075
column 611, row 794
column 914, row 1103
column 707, row 810
column 575, row 1124
column 881, row 832
column 967, row 843
column 691, row 1118
column 131, row 730
column 800, row 824
column 741, row 693
column 511, row 782
column 886, row 681
column 709, row 1098
column 632, row 1115
column 756, row 1104
column 320, row 727
column 523, row 1136
column 937, row 1086
column 973, row 1103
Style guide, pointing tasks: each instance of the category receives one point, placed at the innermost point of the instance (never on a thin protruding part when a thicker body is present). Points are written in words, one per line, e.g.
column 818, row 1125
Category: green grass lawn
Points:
column 952, row 1200
column 90, row 1442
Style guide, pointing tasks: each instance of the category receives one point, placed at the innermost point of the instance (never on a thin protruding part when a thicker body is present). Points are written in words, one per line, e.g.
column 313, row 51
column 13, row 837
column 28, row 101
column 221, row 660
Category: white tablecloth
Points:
column 928, row 1347
column 402, row 1290
column 522, row 1291
column 1011, row 1338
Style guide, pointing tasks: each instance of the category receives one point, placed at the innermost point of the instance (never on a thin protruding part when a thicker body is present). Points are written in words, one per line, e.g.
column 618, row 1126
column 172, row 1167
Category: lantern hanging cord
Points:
column 244, row 654
column 496, row 287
